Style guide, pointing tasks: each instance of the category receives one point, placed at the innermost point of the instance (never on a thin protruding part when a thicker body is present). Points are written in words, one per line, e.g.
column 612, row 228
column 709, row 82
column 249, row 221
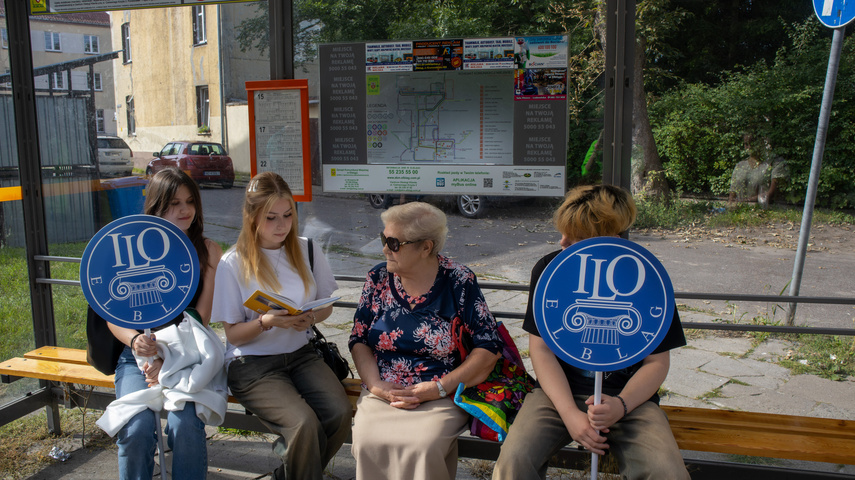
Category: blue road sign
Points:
column 834, row 13
column 139, row 272
column 603, row 304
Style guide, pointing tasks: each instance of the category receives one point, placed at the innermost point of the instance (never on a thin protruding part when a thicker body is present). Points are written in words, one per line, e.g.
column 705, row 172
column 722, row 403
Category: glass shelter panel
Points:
column 15, row 308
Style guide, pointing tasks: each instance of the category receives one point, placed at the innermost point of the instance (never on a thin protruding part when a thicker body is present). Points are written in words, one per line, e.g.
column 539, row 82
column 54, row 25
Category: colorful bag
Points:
column 493, row 403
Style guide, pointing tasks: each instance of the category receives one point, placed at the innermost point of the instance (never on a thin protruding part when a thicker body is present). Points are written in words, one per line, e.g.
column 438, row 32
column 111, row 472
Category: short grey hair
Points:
column 418, row 221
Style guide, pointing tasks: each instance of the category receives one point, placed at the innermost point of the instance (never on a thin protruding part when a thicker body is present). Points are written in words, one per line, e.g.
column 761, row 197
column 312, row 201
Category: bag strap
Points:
column 311, row 255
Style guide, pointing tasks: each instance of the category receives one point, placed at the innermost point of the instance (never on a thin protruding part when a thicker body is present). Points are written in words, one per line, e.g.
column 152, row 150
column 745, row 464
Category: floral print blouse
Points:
column 413, row 344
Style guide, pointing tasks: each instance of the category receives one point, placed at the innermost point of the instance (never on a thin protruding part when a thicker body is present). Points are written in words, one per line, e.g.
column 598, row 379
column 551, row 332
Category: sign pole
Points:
column 598, row 399
column 835, row 14
column 161, row 455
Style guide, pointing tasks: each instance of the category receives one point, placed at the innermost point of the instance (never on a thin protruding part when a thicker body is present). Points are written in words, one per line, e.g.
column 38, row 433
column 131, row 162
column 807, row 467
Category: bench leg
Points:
column 52, row 411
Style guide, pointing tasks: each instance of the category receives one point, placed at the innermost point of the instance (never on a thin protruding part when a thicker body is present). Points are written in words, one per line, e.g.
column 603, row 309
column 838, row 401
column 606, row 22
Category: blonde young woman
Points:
column 272, row 369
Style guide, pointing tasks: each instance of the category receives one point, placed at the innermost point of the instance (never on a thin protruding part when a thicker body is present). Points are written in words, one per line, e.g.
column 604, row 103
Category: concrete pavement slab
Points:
column 692, row 384
column 822, row 390
column 689, row 357
column 771, row 401
column 771, row 350
column 726, row 366
column 735, row 345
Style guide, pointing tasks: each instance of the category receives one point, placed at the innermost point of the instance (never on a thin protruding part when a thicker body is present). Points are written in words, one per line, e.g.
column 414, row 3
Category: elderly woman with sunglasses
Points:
column 407, row 424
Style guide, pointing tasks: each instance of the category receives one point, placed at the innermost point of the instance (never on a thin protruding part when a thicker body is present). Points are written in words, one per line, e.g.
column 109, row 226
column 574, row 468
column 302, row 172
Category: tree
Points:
column 723, row 35
column 653, row 21
column 367, row 20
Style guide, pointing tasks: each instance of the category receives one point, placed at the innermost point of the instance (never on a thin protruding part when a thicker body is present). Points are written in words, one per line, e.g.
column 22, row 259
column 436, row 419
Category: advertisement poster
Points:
column 389, row 57
column 438, row 54
column 487, row 53
column 548, row 51
column 540, row 84
column 453, row 125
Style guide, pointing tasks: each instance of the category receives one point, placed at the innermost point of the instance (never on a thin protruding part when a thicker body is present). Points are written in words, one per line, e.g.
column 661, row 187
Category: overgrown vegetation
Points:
column 698, row 127
column 827, row 356
column 681, row 213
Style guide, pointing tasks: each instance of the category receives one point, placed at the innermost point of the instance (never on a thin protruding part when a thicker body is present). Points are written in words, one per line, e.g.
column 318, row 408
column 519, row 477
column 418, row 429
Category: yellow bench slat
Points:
column 46, row 369
column 761, row 434
column 59, row 354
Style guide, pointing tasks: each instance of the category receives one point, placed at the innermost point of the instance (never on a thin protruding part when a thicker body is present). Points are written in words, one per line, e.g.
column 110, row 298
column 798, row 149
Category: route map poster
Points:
column 481, row 116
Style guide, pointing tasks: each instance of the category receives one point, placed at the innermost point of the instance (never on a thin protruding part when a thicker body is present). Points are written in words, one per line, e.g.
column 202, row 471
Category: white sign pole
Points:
column 163, row 473
column 598, row 399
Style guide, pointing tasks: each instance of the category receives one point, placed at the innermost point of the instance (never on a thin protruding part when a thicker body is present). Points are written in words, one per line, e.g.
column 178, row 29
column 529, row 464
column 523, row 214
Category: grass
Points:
column 682, row 213
column 68, row 302
column 827, row 356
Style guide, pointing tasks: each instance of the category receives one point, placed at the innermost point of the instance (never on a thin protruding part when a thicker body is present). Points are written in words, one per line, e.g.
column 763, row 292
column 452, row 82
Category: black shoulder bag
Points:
column 103, row 349
column 327, row 350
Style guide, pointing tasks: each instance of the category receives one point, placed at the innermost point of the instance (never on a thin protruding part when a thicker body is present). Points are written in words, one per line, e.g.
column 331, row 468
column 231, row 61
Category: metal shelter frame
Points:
column 620, row 45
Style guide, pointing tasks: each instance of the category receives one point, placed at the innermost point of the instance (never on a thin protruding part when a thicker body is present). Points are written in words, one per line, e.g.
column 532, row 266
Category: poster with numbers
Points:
column 279, row 122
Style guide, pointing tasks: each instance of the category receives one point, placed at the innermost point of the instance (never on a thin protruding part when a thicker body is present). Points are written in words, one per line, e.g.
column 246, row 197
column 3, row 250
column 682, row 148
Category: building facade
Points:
column 178, row 70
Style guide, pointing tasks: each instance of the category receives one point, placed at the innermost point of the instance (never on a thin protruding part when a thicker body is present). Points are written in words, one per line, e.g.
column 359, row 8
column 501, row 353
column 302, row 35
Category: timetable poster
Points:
column 279, row 119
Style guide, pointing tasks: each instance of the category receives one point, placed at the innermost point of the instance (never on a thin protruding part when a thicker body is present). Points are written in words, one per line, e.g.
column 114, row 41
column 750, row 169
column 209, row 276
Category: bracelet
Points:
column 261, row 324
column 622, row 403
column 133, row 339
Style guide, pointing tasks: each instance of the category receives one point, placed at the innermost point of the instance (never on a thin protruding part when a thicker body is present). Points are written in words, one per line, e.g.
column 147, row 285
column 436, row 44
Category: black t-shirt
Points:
column 582, row 381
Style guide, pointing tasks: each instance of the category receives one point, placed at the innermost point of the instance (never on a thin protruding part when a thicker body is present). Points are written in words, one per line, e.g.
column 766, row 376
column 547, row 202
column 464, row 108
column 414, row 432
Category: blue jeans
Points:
column 137, row 439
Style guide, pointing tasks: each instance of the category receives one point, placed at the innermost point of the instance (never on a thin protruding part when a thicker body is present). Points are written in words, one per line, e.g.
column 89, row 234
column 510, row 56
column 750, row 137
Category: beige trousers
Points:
column 394, row 444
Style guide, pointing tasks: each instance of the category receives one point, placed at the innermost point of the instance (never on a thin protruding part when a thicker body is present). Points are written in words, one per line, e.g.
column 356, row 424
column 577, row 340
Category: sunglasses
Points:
column 393, row 243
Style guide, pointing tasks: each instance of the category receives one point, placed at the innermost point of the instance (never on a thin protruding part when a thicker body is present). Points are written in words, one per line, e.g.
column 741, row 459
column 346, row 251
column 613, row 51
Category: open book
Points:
column 263, row 301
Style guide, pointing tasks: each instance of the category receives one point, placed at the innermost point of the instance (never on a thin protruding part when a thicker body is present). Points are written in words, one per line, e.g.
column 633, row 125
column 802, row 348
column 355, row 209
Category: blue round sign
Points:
column 139, row 272
column 834, row 13
column 603, row 304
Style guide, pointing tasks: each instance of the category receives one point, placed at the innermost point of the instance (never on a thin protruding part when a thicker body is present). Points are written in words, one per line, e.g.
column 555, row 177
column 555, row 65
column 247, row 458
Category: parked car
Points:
column 115, row 158
column 205, row 162
column 470, row 206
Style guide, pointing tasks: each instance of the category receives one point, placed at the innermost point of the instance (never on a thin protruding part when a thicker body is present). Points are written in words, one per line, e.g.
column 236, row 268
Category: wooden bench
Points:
column 695, row 429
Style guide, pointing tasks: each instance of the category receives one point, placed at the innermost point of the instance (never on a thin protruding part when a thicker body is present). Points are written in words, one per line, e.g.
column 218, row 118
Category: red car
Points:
column 205, row 162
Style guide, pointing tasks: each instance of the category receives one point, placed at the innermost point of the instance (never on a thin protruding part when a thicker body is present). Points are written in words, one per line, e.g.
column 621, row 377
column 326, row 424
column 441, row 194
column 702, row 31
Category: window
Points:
column 99, row 120
column 200, row 36
column 95, row 82
column 126, row 43
column 4, row 38
column 170, row 149
column 132, row 123
column 90, row 44
column 56, row 81
column 201, row 106
column 52, row 42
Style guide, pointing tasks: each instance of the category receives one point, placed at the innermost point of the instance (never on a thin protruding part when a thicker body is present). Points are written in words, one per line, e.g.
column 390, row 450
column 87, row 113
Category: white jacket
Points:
column 192, row 371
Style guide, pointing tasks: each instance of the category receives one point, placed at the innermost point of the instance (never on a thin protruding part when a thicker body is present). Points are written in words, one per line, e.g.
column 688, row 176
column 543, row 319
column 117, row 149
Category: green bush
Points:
column 698, row 128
